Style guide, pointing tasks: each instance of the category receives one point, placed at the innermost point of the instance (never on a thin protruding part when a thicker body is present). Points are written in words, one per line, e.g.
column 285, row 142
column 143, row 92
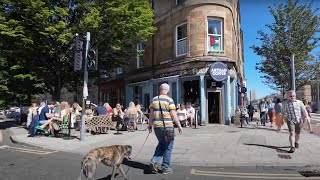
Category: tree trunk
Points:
column 57, row 87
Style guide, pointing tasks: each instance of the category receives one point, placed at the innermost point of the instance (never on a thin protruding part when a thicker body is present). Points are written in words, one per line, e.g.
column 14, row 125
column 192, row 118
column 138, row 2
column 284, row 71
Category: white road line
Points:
column 250, row 175
column 32, row 151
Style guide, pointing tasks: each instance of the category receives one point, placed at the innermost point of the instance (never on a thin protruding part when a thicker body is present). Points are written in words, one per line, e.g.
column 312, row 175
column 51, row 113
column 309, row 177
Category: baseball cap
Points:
column 165, row 86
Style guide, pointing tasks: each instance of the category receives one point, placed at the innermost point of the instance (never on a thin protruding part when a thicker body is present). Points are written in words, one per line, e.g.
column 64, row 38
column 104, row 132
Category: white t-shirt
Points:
column 190, row 112
column 182, row 114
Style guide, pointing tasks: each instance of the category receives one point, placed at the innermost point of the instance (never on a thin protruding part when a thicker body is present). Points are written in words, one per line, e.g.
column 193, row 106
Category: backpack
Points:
column 32, row 127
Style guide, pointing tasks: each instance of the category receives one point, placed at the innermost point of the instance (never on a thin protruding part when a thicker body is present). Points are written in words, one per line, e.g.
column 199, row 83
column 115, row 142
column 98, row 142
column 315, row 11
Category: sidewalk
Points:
column 212, row 145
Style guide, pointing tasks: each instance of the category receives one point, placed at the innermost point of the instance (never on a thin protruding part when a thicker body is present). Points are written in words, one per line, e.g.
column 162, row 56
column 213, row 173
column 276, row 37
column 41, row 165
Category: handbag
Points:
column 168, row 131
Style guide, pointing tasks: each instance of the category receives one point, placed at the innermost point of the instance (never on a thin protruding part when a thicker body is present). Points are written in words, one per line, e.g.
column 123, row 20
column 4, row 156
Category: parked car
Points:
column 22, row 114
column 12, row 112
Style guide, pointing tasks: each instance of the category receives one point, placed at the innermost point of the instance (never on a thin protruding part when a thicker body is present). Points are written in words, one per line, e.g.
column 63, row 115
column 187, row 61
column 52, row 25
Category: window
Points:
column 140, row 51
column 181, row 40
column 215, row 35
column 179, row 1
column 119, row 70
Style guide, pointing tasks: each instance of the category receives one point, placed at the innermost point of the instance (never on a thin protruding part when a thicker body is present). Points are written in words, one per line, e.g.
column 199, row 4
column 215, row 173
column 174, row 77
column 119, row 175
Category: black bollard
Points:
column 69, row 129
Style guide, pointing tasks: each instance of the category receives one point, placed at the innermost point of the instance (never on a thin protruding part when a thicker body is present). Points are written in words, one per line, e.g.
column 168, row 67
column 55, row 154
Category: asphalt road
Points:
column 24, row 162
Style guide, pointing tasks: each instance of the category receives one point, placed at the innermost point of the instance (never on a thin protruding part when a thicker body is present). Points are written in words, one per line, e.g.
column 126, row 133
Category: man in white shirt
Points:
column 263, row 112
column 190, row 113
column 295, row 114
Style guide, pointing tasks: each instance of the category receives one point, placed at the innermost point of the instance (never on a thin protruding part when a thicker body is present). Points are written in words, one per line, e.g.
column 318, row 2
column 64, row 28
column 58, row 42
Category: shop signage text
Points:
column 219, row 71
column 187, row 72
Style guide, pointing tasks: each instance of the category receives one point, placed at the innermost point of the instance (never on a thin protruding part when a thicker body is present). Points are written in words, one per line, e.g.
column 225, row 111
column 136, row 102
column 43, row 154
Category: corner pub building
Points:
column 197, row 49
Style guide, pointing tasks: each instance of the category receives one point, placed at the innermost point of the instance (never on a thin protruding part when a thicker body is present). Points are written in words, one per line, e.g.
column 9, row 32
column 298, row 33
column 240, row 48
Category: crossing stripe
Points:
column 32, row 151
column 250, row 175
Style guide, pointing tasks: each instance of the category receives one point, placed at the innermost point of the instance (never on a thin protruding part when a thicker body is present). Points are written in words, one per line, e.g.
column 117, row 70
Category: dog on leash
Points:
column 110, row 156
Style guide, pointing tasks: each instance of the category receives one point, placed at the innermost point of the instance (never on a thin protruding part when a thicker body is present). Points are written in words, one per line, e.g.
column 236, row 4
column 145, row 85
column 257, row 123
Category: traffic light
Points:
column 92, row 60
column 78, row 56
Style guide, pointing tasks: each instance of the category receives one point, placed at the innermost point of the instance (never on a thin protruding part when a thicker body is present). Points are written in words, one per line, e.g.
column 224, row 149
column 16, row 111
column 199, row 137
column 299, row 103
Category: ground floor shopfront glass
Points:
column 215, row 101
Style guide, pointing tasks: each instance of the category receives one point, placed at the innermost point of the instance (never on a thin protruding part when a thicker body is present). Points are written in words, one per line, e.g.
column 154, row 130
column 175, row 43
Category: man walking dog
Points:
column 162, row 114
column 294, row 113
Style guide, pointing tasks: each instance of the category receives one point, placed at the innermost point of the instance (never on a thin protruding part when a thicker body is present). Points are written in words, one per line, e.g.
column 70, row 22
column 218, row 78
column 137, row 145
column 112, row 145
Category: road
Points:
column 24, row 162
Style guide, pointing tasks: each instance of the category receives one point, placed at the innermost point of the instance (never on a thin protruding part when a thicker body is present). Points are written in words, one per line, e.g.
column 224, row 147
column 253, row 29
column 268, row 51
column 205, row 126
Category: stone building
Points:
column 197, row 49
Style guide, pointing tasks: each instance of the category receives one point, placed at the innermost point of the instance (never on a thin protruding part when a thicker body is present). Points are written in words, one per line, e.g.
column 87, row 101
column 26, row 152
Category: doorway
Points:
column 214, row 107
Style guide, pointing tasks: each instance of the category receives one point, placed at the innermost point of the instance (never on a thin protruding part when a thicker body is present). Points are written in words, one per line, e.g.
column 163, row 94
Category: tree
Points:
column 38, row 35
column 293, row 32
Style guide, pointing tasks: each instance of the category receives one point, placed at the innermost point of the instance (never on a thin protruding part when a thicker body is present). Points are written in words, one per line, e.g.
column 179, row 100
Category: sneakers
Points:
column 167, row 171
column 153, row 168
column 292, row 149
column 39, row 127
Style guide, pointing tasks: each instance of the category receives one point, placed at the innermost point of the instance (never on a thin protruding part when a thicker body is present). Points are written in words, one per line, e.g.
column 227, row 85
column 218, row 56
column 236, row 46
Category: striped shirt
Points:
column 294, row 110
column 167, row 105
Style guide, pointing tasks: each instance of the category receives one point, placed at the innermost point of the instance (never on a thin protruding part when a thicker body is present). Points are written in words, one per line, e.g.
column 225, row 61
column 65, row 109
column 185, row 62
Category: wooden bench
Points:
column 99, row 124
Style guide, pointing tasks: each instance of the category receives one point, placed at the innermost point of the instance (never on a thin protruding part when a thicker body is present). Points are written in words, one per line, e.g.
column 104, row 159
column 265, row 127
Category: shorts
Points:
column 295, row 127
column 130, row 120
column 43, row 121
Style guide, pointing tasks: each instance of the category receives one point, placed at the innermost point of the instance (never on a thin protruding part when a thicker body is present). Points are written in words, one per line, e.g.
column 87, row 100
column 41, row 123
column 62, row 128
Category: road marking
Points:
column 32, row 151
column 250, row 175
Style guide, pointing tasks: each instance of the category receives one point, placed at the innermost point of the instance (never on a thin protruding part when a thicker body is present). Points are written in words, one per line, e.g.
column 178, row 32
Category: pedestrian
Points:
column 295, row 114
column 308, row 108
column 263, row 112
column 162, row 115
column 250, row 111
column 271, row 112
column 32, row 111
column 278, row 114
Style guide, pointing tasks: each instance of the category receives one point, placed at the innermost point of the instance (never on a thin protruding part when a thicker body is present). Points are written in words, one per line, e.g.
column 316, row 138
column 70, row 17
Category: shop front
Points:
column 212, row 89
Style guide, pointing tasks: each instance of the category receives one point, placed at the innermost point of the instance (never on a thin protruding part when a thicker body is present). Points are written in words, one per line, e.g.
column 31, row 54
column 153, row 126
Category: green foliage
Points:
column 37, row 37
column 293, row 32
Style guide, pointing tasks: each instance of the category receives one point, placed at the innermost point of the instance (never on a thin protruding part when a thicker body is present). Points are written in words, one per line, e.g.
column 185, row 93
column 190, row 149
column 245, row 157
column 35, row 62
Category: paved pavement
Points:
column 212, row 145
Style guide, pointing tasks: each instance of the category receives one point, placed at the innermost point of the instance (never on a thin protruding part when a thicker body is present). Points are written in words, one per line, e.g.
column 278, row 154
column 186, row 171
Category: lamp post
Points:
column 85, row 88
column 318, row 89
column 293, row 76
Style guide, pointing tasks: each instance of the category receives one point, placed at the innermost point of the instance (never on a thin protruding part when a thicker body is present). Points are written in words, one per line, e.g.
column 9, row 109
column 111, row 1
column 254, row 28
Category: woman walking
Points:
column 278, row 113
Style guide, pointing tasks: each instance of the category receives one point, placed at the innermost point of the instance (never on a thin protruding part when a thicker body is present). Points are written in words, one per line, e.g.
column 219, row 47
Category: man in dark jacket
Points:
column 250, row 111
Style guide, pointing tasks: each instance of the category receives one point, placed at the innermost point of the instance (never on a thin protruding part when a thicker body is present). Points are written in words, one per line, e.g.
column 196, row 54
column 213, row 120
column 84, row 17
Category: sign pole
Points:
column 85, row 88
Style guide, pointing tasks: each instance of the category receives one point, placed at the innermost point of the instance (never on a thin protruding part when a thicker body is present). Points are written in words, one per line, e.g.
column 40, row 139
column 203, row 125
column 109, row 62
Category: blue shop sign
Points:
column 219, row 71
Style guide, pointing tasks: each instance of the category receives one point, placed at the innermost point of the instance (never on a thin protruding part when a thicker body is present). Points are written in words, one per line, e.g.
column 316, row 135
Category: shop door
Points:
column 214, row 107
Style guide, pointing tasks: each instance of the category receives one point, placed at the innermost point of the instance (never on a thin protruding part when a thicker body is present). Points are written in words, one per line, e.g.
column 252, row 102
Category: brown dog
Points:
column 110, row 156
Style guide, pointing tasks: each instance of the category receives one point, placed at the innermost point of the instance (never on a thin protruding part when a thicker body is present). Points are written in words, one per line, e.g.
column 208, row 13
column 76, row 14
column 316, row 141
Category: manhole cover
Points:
column 284, row 156
column 310, row 173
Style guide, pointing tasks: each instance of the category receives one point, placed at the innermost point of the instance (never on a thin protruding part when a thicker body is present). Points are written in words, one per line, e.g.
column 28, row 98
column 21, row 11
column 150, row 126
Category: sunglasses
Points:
column 292, row 96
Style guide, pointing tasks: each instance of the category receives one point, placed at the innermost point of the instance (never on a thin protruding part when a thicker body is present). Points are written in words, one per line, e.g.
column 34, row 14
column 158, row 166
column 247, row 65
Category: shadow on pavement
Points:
column 138, row 165
column 277, row 148
column 131, row 164
column 8, row 123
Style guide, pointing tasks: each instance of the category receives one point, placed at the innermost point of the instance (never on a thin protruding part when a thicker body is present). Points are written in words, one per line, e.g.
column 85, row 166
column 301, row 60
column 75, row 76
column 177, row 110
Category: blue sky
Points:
column 254, row 16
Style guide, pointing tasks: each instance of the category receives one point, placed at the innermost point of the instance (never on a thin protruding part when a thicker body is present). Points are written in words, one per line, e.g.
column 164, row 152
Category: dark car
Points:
column 22, row 116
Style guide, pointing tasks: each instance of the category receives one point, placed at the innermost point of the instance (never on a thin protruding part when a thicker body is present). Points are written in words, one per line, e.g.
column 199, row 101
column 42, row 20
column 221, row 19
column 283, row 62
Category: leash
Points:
column 138, row 151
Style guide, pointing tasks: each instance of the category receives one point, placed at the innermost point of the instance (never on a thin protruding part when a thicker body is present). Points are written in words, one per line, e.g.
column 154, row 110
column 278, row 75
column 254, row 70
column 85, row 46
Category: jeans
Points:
column 163, row 150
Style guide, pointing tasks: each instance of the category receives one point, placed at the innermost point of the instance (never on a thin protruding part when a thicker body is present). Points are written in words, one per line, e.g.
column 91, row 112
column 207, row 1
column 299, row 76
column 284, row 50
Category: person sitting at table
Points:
column 131, row 114
column 117, row 114
column 182, row 115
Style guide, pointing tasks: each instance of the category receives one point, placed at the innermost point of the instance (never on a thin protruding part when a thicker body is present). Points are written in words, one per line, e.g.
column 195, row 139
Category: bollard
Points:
column 196, row 119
